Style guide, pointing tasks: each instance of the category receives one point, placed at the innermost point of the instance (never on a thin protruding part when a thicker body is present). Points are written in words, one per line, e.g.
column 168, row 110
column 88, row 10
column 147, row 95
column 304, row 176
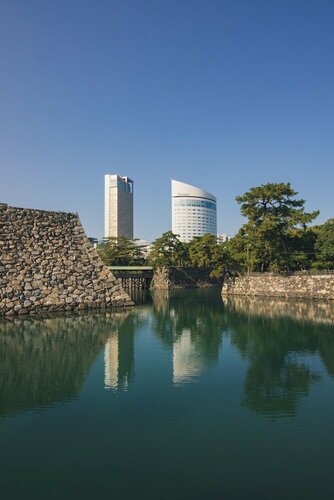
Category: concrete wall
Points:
column 183, row 277
column 297, row 286
column 48, row 264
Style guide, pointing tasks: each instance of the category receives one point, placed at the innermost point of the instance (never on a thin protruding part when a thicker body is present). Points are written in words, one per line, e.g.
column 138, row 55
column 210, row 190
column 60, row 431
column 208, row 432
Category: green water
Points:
column 186, row 397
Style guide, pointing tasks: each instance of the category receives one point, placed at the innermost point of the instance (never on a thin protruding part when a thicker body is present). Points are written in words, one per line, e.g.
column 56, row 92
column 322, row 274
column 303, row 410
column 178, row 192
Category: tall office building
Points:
column 118, row 206
column 194, row 211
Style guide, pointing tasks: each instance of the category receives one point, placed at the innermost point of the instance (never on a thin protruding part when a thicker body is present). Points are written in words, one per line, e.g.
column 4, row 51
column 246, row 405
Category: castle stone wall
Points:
column 296, row 286
column 183, row 277
column 47, row 264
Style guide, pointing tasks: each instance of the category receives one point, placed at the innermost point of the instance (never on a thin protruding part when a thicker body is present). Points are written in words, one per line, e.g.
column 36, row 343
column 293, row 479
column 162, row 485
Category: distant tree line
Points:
column 276, row 237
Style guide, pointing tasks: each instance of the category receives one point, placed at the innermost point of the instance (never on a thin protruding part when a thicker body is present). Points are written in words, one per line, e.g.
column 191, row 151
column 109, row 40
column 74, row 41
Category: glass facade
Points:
column 195, row 203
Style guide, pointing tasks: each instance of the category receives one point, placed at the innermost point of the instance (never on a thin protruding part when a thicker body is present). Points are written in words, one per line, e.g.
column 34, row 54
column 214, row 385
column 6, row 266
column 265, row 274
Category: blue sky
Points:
column 223, row 95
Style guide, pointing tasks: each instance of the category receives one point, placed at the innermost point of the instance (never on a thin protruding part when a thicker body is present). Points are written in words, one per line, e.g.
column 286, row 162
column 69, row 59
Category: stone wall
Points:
column 47, row 264
column 183, row 277
column 296, row 286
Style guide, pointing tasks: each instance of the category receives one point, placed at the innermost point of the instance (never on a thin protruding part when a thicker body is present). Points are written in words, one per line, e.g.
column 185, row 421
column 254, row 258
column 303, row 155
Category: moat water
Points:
column 185, row 397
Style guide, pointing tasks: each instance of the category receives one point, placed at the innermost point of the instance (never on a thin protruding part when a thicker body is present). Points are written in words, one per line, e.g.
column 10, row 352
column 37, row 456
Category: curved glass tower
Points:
column 194, row 211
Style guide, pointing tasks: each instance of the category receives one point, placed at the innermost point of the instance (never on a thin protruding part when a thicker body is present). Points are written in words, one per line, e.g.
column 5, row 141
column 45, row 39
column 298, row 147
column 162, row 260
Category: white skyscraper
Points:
column 118, row 206
column 194, row 211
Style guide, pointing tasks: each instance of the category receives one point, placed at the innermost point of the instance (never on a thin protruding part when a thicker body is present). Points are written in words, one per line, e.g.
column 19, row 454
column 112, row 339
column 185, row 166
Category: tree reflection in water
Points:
column 267, row 333
column 44, row 361
column 191, row 323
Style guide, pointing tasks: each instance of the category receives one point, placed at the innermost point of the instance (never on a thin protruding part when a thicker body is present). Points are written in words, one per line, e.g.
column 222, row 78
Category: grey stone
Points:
column 269, row 285
column 46, row 266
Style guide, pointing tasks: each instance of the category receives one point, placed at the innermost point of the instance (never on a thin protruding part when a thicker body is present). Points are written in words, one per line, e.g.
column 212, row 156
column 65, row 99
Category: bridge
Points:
column 133, row 277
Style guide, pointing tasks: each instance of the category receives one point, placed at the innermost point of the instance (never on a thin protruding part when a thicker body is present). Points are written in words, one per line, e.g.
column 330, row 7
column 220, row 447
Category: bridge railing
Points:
column 133, row 277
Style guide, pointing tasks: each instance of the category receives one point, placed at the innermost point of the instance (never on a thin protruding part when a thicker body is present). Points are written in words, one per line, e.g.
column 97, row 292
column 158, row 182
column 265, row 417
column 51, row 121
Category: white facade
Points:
column 188, row 361
column 118, row 206
column 194, row 211
column 223, row 238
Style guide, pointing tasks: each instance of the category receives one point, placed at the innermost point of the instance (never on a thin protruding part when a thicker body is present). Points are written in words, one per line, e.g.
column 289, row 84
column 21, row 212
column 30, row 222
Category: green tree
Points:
column 121, row 252
column 204, row 251
column 168, row 250
column 324, row 245
column 275, row 237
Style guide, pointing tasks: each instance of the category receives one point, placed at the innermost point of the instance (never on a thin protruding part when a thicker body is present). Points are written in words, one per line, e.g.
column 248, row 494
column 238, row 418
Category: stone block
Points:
column 48, row 254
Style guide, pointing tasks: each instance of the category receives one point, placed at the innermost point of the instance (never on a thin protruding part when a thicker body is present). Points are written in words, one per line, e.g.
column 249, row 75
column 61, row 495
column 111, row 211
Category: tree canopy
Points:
column 121, row 252
column 204, row 251
column 324, row 245
column 168, row 250
column 275, row 236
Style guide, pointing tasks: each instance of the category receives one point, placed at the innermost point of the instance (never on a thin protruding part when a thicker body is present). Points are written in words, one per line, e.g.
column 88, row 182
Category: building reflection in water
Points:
column 191, row 323
column 183, row 322
column 119, row 352
column 44, row 361
column 111, row 363
column 187, row 361
column 118, row 361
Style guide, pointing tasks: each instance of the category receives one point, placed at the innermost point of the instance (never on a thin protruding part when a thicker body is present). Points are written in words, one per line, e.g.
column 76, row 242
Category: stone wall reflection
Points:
column 277, row 338
column 45, row 361
column 302, row 310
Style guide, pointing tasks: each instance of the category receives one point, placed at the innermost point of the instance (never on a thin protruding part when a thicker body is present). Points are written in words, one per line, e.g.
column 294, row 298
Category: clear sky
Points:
column 221, row 94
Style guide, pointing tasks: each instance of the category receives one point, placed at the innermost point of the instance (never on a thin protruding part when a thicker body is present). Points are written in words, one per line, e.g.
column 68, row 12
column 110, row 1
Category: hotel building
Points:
column 118, row 206
column 194, row 211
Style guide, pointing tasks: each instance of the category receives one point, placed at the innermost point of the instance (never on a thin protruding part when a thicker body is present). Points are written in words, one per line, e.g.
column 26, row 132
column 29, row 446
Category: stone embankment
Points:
column 47, row 264
column 183, row 277
column 295, row 286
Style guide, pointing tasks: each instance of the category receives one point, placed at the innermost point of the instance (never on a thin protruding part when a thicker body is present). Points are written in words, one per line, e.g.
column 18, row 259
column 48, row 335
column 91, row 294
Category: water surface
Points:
column 187, row 397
